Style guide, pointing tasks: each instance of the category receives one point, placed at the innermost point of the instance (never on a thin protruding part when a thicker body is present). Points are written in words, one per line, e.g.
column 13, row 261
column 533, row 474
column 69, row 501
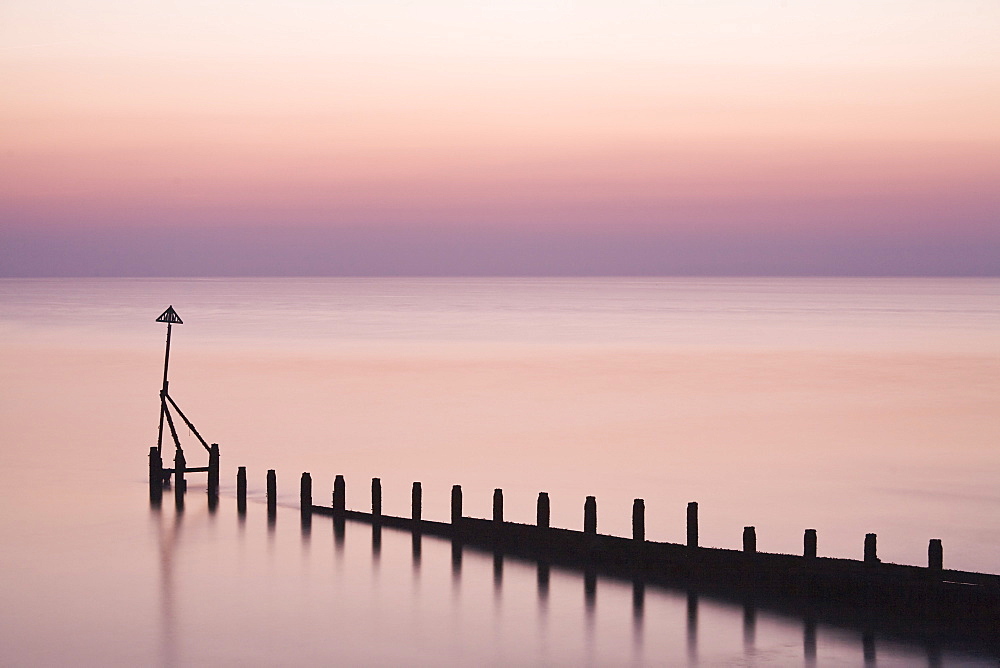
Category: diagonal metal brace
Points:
column 186, row 421
column 170, row 423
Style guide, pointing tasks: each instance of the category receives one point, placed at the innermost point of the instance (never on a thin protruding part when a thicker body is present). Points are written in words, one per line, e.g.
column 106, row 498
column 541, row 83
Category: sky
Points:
column 447, row 137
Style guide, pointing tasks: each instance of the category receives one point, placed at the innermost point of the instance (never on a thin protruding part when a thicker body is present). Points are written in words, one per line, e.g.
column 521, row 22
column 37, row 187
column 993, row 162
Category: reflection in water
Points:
column 809, row 642
column 456, row 565
column 306, row 524
column 638, row 610
column 692, row 627
column 338, row 536
column 933, row 655
column 868, row 648
column 550, row 627
column 590, row 605
column 590, row 589
column 497, row 574
column 542, row 580
column 167, row 537
column 749, row 627
column 416, row 543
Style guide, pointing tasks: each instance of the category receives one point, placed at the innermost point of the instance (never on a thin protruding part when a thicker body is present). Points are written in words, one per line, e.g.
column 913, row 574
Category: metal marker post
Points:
column 171, row 318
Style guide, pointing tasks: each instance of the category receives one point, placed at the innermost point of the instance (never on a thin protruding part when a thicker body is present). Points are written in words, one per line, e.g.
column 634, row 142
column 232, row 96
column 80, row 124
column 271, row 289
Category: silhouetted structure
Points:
column 158, row 475
column 933, row 598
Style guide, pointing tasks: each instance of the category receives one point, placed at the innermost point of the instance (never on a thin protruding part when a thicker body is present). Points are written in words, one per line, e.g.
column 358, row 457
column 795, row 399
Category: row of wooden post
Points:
column 934, row 551
column 157, row 479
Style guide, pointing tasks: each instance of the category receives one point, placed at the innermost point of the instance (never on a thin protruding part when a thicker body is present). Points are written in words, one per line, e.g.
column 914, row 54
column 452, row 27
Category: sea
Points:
column 845, row 405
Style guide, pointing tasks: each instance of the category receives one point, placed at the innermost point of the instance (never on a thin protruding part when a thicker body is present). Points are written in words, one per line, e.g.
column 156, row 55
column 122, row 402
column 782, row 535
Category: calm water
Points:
column 848, row 406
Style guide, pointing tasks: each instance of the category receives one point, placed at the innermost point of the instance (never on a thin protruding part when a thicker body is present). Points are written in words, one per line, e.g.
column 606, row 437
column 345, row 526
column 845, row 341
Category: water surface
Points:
column 845, row 405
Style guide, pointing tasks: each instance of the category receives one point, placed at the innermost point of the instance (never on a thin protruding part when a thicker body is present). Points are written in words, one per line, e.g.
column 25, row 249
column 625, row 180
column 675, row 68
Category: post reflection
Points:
column 638, row 610
column 167, row 538
column 376, row 545
column 590, row 590
column 456, row 564
column 497, row 575
column 747, row 611
column 692, row 627
column 933, row 655
column 338, row 537
column 809, row 642
column 868, row 648
column 749, row 626
column 542, row 580
column 306, row 524
column 590, row 605
column 415, row 551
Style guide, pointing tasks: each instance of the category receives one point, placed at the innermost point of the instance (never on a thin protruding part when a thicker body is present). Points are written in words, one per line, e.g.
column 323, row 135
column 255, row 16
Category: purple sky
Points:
column 444, row 137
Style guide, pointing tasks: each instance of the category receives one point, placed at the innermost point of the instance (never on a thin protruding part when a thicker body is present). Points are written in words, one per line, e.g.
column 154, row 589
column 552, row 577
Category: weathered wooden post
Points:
column 456, row 504
column 180, row 484
column 213, row 469
column 809, row 544
column 590, row 515
column 339, row 496
column 935, row 555
column 306, row 494
column 376, row 500
column 155, row 469
column 241, row 489
column 272, row 491
column 542, row 514
column 749, row 539
column 871, row 557
column 692, row 524
column 639, row 520
column 416, row 502
column 498, row 505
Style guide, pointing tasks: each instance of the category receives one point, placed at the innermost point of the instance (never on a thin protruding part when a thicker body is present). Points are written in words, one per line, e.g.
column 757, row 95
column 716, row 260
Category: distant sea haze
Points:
column 606, row 247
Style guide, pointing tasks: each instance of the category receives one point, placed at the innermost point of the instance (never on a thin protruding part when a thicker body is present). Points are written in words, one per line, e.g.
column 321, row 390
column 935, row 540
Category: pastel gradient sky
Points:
column 440, row 137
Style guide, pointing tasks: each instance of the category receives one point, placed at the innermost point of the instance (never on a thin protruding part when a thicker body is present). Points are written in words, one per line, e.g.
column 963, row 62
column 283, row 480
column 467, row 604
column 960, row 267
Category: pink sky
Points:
column 445, row 137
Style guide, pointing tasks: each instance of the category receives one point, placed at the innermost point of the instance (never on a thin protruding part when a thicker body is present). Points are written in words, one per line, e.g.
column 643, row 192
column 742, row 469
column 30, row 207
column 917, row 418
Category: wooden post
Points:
column 155, row 469
column 639, row 520
column 180, row 484
column 241, row 489
column 376, row 500
column 416, row 502
column 935, row 555
column 456, row 504
column 590, row 515
column 498, row 505
column 809, row 544
column 272, row 491
column 339, row 496
column 870, row 552
column 542, row 514
column 692, row 524
column 306, row 494
column 749, row 540
column 213, row 469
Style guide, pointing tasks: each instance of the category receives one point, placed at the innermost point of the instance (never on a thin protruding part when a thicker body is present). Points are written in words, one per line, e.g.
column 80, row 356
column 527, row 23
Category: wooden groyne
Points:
column 930, row 599
column 932, row 602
